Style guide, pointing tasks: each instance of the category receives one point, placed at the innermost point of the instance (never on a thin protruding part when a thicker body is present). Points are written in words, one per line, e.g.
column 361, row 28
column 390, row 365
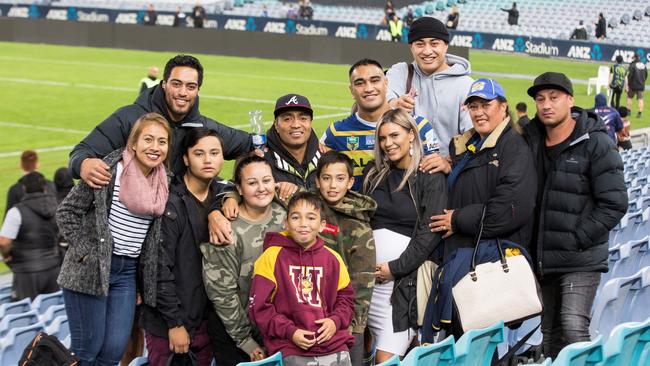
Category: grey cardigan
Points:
column 83, row 220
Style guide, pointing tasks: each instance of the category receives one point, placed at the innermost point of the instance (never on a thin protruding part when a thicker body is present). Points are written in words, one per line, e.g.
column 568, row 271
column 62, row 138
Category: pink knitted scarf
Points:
column 143, row 195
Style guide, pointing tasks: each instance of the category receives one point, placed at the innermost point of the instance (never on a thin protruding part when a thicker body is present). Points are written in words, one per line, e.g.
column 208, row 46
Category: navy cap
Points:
column 487, row 89
column 292, row 101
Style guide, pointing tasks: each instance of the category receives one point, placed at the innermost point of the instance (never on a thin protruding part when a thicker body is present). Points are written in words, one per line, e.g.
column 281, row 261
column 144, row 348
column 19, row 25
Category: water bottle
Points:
column 257, row 126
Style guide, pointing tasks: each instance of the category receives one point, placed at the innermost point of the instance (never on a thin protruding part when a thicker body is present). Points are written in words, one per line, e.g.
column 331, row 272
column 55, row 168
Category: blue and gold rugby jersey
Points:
column 356, row 139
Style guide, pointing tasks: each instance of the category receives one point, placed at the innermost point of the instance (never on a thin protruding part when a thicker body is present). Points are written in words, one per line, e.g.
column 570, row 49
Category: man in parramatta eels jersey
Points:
column 355, row 135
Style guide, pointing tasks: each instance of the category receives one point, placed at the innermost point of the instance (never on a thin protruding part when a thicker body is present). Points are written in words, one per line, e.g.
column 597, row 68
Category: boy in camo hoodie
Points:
column 347, row 231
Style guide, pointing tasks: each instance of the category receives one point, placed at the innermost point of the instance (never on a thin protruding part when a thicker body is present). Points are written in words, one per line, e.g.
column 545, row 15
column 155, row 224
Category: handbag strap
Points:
column 477, row 242
column 505, row 360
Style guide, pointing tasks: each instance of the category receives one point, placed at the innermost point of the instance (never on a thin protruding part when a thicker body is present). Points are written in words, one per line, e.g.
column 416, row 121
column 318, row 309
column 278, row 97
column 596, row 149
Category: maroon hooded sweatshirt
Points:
column 292, row 288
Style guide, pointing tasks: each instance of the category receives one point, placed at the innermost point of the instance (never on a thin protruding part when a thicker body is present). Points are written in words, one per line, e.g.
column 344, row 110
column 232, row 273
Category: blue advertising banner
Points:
column 542, row 47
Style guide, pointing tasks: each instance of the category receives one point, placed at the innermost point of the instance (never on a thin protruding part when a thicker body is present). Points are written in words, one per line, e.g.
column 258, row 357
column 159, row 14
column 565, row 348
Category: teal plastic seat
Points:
column 626, row 344
column 418, row 12
column 440, row 354
column 547, row 362
column 393, row 361
column 275, row 360
column 476, row 347
column 440, row 6
column 581, row 354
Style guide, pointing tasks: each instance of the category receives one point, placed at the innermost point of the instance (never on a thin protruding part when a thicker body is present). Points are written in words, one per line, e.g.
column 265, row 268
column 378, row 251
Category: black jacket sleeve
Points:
column 235, row 142
column 432, row 196
column 608, row 192
column 512, row 202
column 167, row 302
column 109, row 135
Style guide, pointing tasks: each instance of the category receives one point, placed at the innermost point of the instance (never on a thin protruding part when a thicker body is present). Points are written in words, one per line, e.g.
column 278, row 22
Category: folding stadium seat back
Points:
column 393, row 361
column 13, row 344
column 477, row 346
column 17, row 307
column 581, row 354
column 274, row 360
column 609, row 293
column 441, row 354
column 619, row 268
column 5, row 298
column 59, row 327
column 52, row 313
column 5, row 289
column 139, row 361
column 637, row 304
column 43, row 301
column 626, row 344
column 16, row 321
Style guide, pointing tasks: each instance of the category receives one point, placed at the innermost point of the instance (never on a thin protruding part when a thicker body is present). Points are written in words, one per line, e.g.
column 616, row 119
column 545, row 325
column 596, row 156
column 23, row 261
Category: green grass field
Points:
column 54, row 95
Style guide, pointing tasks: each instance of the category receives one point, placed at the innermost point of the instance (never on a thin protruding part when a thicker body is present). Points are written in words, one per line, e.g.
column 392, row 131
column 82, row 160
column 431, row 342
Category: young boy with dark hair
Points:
column 624, row 139
column 347, row 230
column 301, row 298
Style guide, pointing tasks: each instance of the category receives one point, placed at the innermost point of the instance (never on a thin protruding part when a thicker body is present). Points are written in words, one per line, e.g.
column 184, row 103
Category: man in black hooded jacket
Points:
column 176, row 98
column 581, row 197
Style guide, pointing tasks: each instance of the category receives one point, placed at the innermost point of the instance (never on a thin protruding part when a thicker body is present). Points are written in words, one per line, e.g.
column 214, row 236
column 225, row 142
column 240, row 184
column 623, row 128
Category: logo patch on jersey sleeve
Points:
column 331, row 229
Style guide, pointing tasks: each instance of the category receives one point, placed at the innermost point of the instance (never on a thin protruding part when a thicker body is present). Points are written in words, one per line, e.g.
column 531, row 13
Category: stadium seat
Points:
column 581, row 354
column 5, row 298
column 600, row 81
column 275, row 360
column 441, row 354
column 476, row 346
column 43, row 301
column 637, row 303
column 547, row 362
column 59, row 327
column 17, row 320
column 393, row 361
column 625, row 19
column 15, row 307
column 52, row 313
column 5, row 289
column 626, row 343
column 14, row 343
column 139, row 361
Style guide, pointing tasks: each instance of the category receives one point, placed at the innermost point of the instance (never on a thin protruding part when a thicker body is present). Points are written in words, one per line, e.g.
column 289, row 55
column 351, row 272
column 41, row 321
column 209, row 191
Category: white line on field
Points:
column 133, row 90
column 135, row 67
column 42, row 128
column 44, row 149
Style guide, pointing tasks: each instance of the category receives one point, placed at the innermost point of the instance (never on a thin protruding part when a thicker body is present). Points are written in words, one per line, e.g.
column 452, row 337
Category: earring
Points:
column 410, row 149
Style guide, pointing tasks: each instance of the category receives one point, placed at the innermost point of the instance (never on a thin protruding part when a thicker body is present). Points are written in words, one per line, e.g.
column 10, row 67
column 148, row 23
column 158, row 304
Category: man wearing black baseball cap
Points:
column 434, row 84
column 581, row 197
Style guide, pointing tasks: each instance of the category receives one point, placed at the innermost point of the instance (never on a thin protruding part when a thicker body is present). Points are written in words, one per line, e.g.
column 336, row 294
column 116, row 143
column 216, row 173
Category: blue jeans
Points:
column 567, row 299
column 100, row 325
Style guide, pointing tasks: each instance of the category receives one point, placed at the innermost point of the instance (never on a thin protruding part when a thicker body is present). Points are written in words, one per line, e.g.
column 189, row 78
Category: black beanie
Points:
column 428, row 27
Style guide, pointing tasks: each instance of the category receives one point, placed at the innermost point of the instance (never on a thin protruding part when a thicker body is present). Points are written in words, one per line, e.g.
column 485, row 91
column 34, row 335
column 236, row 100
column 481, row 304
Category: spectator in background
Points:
column 409, row 17
column 581, row 197
column 601, row 27
column 265, row 12
column 29, row 240
column 610, row 117
column 439, row 84
column 150, row 80
column 453, row 17
column 150, row 16
column 513, row 14
column 179, row 16
column 617, row 75
column 28, row 164
column 388, row 10
column 198, row 15
column 637, row 74
column 305, row 10
column 624, row 139
column 522, row 114
column 292, row 13
column 395, row 26
column 63, row 182
column 580, row 32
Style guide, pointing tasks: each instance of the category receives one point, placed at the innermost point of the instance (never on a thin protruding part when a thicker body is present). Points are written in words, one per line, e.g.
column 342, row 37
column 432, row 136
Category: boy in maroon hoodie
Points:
column 301, row 298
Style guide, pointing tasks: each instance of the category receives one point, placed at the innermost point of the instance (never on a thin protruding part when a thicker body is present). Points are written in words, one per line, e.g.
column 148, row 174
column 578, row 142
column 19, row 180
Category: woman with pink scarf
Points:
column 113, row 234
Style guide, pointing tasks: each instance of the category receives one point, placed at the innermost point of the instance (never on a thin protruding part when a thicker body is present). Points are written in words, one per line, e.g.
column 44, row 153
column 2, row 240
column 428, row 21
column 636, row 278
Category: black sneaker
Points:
column 638, row 115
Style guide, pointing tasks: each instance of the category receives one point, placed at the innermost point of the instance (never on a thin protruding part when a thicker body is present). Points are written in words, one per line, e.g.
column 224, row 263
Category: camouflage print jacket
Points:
column 348, row 232
column 228, row 273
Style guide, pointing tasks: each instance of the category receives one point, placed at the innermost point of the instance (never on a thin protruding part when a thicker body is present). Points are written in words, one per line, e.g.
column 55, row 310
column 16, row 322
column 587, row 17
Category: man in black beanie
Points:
column 440, row 82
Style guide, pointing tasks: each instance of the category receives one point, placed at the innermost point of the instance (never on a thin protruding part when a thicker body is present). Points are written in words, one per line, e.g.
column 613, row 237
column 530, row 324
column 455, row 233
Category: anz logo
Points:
column 504, row 44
